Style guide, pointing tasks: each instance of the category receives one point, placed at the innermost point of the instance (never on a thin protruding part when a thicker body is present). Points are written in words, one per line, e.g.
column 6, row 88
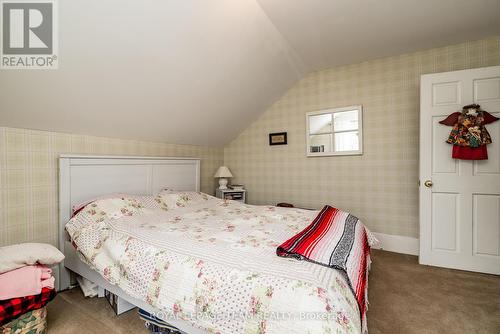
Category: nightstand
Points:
column 235, row 195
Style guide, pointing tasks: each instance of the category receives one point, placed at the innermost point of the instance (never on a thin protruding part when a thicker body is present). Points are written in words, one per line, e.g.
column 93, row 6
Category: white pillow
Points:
column 20, row 255
column 170, row 199
column 78, row 207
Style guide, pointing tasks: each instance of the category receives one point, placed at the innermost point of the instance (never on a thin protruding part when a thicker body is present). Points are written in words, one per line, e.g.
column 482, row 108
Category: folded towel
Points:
column 20, row 255
column 25, row 281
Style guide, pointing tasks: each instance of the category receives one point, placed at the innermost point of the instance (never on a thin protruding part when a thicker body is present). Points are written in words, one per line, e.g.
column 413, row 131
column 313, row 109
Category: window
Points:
column 334, row 132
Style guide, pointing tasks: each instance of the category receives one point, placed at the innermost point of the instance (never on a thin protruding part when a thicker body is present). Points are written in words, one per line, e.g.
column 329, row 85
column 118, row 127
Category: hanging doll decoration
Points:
column 469, row 136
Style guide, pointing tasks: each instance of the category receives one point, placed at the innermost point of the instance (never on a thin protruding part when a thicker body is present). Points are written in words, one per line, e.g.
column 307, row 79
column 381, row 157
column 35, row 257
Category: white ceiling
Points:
column 199, row 72
column 328, row 33
column 178, row 71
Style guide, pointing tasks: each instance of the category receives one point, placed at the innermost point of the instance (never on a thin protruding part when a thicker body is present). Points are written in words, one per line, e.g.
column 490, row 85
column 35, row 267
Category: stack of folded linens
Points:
column 26, row 286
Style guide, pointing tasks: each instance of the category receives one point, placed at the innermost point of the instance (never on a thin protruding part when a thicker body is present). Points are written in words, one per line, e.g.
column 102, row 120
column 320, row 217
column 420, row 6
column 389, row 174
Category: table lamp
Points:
column 223, row 173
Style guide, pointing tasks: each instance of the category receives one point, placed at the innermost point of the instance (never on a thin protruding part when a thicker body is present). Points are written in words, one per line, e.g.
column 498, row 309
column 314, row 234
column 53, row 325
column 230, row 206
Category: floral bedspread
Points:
column 213, row 263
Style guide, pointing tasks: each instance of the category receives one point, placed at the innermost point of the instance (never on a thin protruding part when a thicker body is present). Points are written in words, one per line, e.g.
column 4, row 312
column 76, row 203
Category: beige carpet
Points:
column 404, row 298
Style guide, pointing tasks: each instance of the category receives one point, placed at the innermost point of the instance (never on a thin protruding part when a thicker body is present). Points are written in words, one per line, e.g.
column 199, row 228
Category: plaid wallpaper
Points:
column 380, row 187
column 29, row 176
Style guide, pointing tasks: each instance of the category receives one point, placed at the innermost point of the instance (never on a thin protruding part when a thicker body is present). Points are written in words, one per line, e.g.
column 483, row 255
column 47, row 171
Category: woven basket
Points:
column 32, row 322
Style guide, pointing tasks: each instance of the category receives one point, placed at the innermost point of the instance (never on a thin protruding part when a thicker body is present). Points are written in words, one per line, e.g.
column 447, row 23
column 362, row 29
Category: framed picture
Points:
column 278, row 138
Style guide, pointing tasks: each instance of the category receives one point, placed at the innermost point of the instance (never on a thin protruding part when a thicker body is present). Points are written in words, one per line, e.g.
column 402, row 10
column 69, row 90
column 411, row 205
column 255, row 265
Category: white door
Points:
column 459, row 199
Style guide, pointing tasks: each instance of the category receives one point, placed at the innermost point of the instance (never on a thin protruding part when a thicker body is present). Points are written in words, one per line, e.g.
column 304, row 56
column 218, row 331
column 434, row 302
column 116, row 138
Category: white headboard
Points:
column 83, row 177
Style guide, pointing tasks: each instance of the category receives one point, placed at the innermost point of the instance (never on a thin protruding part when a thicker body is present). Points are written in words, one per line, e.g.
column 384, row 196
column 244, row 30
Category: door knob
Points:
column 428, row 183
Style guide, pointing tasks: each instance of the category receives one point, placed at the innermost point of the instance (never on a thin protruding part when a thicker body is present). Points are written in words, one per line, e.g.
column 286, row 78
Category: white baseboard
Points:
column 396, row 243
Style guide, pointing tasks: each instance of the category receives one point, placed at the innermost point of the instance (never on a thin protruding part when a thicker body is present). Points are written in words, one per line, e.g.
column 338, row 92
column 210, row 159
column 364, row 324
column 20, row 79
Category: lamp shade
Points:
column 223, row 171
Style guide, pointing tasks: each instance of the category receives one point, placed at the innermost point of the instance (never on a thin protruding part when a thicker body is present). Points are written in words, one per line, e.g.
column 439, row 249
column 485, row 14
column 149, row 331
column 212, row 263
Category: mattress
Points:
column 213, row 263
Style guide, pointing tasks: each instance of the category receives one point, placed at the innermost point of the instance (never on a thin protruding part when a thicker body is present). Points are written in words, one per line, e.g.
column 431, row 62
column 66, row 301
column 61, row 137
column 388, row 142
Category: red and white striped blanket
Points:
column 338, row 240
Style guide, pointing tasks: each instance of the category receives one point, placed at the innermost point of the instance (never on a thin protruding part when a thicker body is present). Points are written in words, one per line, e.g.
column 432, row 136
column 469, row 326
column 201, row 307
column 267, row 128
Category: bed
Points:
column 202, row 264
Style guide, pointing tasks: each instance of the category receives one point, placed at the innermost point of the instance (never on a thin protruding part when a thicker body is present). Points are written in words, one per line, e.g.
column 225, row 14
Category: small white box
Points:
column 118, row 304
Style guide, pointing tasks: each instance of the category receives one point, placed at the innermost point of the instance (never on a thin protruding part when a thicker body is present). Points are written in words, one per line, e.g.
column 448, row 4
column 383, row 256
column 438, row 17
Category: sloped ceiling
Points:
column 178, row 71
column 328, row 33
column 198, row 72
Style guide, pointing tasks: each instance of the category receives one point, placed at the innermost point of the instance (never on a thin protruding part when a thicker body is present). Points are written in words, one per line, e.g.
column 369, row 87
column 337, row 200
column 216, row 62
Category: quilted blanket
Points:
column 213, row 264
column 338, row 240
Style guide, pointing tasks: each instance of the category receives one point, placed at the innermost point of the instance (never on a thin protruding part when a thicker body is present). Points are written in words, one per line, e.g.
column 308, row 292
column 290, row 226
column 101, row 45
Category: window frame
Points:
column 332, row 111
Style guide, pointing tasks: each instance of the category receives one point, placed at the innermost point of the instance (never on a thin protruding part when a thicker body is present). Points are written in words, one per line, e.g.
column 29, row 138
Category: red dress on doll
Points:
column 469, row 136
